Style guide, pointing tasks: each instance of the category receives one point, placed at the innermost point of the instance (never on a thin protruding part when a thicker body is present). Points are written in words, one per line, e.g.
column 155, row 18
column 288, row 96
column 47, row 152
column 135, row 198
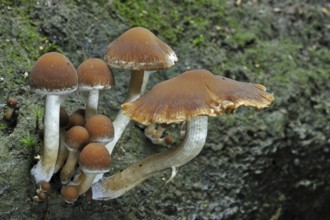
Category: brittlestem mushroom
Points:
column 75, row 139
column 139, row 50
column 52, row 75
column 93, row 160
column 190, row 97
column 94, row 75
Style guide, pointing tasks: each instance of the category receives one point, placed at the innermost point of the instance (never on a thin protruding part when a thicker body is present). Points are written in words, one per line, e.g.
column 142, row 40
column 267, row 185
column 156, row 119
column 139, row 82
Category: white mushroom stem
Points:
column 92, row 102
column 44, row 169
column 118, row 184
column 119, row 124
column 145, row 80
column 121, row 121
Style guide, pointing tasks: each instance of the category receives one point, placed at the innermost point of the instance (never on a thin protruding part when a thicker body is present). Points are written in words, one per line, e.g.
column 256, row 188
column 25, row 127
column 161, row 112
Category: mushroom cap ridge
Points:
column 194, row 93
column 53, row 73
column 139, row 49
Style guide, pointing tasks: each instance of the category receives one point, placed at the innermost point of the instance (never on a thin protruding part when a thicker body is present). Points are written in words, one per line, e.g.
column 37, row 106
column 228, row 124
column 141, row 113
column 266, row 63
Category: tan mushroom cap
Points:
column 140, row 49
column 77, row 118
column 76, row 138
column 194, row 93
column 70, row 193
column 100, row 129
column 94, row 73
column 94, row 158
column 53, row 73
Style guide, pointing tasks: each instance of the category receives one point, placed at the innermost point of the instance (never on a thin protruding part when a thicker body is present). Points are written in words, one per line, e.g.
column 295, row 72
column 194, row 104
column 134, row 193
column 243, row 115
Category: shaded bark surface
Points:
column 270, row 164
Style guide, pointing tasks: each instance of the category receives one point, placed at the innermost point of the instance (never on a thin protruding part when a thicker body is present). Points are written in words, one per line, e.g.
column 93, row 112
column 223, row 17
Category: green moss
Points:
column 21, row 45
column 3, row 126
column 28, row 141
column 169, row 19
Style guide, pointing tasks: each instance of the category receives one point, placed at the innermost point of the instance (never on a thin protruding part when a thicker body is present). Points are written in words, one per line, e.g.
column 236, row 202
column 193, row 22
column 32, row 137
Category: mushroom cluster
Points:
column 78, row 146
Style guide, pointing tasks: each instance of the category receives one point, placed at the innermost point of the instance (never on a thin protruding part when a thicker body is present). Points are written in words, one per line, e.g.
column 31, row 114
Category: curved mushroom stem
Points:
column 118, row 184
column 44, row 169
column 120, row 123
column 92, row 102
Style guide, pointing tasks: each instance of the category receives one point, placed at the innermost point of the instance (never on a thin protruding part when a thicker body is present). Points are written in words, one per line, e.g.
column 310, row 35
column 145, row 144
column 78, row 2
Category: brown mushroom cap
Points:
column 12, row 102
column 76, row 138
column 70, row 193
column 94, row 158
column 140, row 49
column 194, row 93
column 53, row 73
column 77, row 118
column 94, row 73
column 44, row 186
column 100, row 129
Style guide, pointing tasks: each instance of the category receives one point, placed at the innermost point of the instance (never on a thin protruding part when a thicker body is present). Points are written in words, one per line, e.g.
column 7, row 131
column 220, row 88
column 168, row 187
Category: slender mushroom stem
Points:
column 145, row 80
column 121, row 121
column 119, row 124
column 92, row 102
column 86, row 183
column 44, row 169
column 118, row 184
column 135, row 85
column 62, row 152
column 69, row 167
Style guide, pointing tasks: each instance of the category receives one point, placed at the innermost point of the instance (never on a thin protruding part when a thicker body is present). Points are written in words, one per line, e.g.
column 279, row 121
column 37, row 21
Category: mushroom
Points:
column 70, row 193
column 52, row 75
column 191, row 97
column 94, row 75
column 100, row 129
column 75, row 139
column 139, row 50
column 93, row 159
column 12, row 112
column 77, row 118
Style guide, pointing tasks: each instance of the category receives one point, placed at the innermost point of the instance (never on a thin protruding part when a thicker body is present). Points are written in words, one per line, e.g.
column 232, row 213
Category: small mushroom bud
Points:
column 70, row 193
column 12, row 112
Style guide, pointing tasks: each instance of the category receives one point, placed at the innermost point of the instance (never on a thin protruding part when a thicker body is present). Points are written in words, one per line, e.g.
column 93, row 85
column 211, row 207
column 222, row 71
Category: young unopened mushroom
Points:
column 94, row 75
column 75, row 139
column 100, row 129
column 52, row 75
column 70, row 193
column 138, row 50
column 192, row 97
column 93, row 159
column 12, row 112
column 77, row 118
